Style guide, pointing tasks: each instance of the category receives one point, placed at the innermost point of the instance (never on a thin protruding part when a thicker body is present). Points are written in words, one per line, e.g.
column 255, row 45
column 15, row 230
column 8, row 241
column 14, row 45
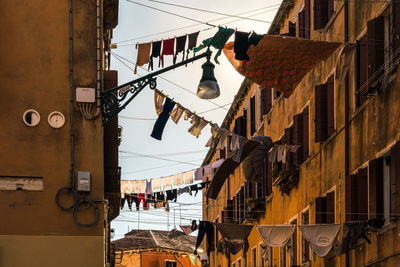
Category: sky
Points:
column 139, row 24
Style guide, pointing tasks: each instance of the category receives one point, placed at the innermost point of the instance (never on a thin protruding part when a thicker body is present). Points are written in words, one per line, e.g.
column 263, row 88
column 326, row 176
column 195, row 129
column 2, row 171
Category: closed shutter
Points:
column 330, row 105
column 376, row 49
column 266, row 100
column 305, row 134
column 244, row 123
column 351, row 197
column 318, row 14
column 396, row 26
column 302, row 24
column 320, row 210
column 362, row 194
column 298, row 138
column 222, row 153
column 395, row 180
column 306, row 246
column 252, row 115
column 331, row 9
column 292, row 29
column 294, row 243
column 268, row 177
column 363, row 70
column 320, row 112
column 229, row 141
column 230, row 208
column 307, row 19
column 330, row 207
column 375, row 182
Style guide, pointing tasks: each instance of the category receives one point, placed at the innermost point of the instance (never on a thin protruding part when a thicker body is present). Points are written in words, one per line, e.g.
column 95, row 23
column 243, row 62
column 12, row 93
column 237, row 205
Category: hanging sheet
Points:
column 276, row 235
column 321, row 237
column 280, row 62
column 235, row 236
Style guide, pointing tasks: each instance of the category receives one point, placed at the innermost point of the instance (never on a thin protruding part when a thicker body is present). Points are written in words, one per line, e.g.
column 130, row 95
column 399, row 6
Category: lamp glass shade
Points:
column 208, row 87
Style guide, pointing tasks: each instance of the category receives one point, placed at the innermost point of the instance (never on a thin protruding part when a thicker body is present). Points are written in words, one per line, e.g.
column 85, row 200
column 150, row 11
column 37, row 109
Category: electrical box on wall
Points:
column 84, row 181
column 85, row 95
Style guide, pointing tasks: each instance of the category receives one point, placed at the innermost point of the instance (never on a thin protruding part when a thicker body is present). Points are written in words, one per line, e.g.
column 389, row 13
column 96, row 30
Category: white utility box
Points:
column 85, row 95
column 83, row 181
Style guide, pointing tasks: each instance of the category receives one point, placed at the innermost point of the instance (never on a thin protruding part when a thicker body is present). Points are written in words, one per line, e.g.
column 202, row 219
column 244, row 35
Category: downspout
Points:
column 178, row 259
column 71, row 99
column 346, row 114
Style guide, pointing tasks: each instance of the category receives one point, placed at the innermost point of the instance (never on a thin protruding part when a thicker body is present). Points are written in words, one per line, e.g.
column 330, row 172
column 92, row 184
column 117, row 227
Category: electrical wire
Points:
column 209, row 11
column 170, row 154
column 158, row 167
column 160, row 158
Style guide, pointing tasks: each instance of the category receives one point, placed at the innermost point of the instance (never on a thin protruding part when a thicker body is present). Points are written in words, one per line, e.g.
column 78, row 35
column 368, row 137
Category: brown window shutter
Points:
column 318, row 14
column 292, row 29
column 244, row 123
column 263, row 107
column 375, row 182
column 320, row 112
column 306, row 248
column 307, row 19
column 351, row 198
column 252, row 115
column 228, row 145
column 320, row 210
column 294, row 242
column 330, row 105
column 395, row 180
column 330, row 207
column 230, row 208
column 302, row 24
column 298, row 138
column 305, row 134
column 266, row 100
column 222, row 153
column 268, row 177
column 362, row 194
column 376, row 49
column 363, row 70
column 396, row 26
column 331, row 9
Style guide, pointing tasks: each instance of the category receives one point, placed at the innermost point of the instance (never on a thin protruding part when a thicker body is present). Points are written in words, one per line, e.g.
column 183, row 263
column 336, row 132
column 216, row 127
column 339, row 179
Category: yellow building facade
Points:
column 346, row 169
column 48, row 144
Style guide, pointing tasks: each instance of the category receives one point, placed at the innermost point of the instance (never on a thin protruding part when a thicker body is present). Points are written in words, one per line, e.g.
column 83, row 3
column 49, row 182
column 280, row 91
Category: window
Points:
column 323, row 11
column 304, row 21
column 325, row 208
column 252, row 115
column 276, row 93
column 383, row 183
column 241, row 125
column 169, row 263
column 282, row 257
column 230, row 211
column 305, row 246
column 267, row 188
column 301, row 136
column 324, row 110
column 260, row 256
column 266, row 101
column 357, row 196
column 254, row 257
column 293, row 256
column 292, row 30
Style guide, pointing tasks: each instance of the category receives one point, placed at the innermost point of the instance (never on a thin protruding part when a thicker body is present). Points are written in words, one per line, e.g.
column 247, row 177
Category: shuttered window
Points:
column 304, row 21
column 330, row 207
column 305, row 246
column 292, row 29
column 376, row 51
column 229, row 141
column 362, row 70
column 324, row 110
column 230, row 210
column 305, row 143
column 395, row 180
column 244, row 123
column 267, row 177
column 357, row 196
column 298, row 138
column 375, row 181
column 323, row 11
column 252, row 115
column 293, row 258
column 266, row 101
column 325, row 208
column 396, row 27
column 276, row 93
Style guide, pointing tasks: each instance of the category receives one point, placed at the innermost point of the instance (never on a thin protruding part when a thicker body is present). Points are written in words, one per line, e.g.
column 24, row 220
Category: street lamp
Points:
column 115, row 100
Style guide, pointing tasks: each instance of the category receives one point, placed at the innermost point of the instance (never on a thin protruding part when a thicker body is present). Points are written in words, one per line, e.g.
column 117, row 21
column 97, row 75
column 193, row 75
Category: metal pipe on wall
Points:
column 72, row 96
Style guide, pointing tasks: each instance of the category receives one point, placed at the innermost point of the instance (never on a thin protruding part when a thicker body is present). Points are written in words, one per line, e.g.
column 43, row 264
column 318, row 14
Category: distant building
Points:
column 155, row 248
column 59, row 173
column 347, row 167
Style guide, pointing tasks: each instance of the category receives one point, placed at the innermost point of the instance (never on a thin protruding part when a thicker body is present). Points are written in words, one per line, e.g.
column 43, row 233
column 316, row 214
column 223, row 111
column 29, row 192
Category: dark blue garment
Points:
column 162, row 119
column 205, row 228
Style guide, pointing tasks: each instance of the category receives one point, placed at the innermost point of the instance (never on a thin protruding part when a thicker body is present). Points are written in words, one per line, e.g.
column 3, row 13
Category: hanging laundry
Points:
column 139, row 186
column 167, row 182
column 187, row 229
column 235, row 142
column 143, row 55
column 197, row 125
column 122, row 203
column 176, row 114
column 214, row 129
column 217, row 41
column 194, row 226
column 178, row 179
column 182, row 190
column 150, row 199
column 255, row 38
column 209, row 142
column 162, row 119
column 158, row 101
column 203, row 257
column 238, row 153
column 193, row 259
column 235, row 236
column 276, row 235
column 203, row 184
column 205, row 228
column 192, row 42
column 156, row 183
column 224, row 135
column 194, row 188
column 155, row 52
column 172, row 194
column 180, row 46
column 142, row 198
column 127, row 186
column 241, row 45
column 321, row 237
column 168, row 49
column 149, row 188
column 160, row 199
column 188, row 177
column 199, row 174
column 253, row 164
column 188, row 114
column 215, row 164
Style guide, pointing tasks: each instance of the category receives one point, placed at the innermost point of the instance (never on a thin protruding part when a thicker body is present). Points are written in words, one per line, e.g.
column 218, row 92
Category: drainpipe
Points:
column 346, row 114
column 71, row 99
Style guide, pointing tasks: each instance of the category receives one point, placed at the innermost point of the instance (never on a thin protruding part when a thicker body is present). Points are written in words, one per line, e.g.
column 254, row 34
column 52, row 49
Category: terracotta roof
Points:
column 152, row 239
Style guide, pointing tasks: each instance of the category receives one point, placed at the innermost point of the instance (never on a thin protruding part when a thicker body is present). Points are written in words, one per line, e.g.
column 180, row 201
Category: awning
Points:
column 281, row 62
column 235, row 235
column 276, row 235
column 321, row 237
column 227, row 168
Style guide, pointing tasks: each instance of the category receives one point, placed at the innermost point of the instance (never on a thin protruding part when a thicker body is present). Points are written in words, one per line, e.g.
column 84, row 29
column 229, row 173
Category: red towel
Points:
column 168, row 49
